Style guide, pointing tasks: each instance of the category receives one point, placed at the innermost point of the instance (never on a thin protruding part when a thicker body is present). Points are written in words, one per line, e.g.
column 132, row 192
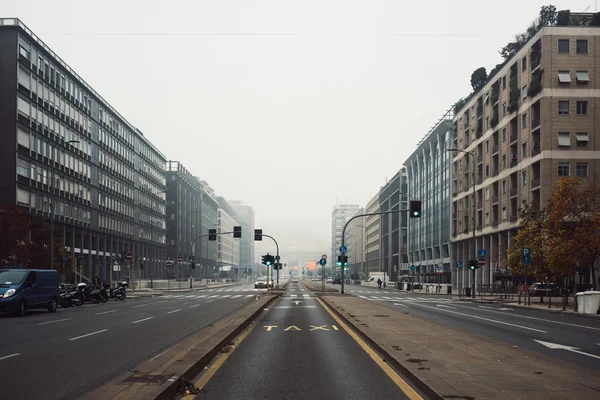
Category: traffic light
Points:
column 345, row 260
column 192, row 263
column 141, row 265
column 212, row 234
column 237, row 231
column 258, row 234
column 79, row 261
column 473, row 264
column 577, row 271
column 268, row 259
column 415, row 209
column 263, row 260
column 339, row 261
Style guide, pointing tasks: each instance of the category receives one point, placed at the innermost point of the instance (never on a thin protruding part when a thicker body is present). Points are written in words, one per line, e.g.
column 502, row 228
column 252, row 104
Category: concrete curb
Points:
column 390, row 359
column 163, row 292
column 170, row 392
column 554, row 311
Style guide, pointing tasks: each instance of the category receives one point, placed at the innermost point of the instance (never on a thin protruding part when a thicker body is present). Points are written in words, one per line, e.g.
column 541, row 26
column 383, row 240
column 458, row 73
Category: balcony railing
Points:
column 495, row 172
column 514, row 162
column 513, row 136
column 479, row 157
column 495, row 222
column 535, row 182
column 494, row 148
column 494, row 199
column 514, row 218
column 466, row 230
column 512, row 191
column 535, row 151
column 479, row 227
column 479, row 180
column 535, row 125
column 479, row 204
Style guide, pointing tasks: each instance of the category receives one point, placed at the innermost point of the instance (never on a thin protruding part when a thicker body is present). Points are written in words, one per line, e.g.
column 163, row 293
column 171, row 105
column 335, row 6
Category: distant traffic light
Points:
column 212, row 234
column 345, row 260
column 258, row 234
column 339, row 261
column 268, row 259
column 237, row 231
column 192, row 263
column 473, row 264
column 415, row 209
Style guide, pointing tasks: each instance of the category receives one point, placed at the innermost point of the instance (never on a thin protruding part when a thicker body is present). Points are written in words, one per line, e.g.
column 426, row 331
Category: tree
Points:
column 563, row 17
column 511, row 48
column 14, row 231
column 39, row 245
column 478, row 78
column 547, row 15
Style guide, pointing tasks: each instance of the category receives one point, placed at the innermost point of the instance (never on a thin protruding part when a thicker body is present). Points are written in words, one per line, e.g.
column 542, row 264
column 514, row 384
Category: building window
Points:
column 487, row 193
column 523, row 121
column 563, row 46
column 564, row 139
column 524, row 177
column 581, row 169
column 504, row 213
column 504, row 109
column 487, row 218
column 524, row 92
column 582, row 77
column 563, row 107
column 504, row 82
column 582, row 108
column 503, row 186
column 487, row 146
column 23, row 106
column 563, row 169
column 503, row 161
column 582, row 139
column 24, row 52
column 524, row 150
column 564, row 77
column 524, row 64
column 582, row 46
column 503, row 135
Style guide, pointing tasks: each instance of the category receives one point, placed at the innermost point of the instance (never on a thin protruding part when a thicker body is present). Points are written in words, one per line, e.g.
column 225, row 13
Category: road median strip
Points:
column 161, row 376
column 447, row 363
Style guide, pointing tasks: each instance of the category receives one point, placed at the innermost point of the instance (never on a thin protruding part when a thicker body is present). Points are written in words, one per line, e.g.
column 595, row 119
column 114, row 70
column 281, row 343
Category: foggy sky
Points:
column 288, row 106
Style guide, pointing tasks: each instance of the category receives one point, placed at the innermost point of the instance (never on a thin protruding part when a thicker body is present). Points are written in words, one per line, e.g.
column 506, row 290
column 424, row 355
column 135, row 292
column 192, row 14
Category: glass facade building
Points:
column 67, row 154
column 428, row 170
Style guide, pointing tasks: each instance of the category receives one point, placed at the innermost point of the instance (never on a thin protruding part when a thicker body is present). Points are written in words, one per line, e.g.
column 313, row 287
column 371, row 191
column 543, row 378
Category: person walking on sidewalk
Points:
column 379, row 282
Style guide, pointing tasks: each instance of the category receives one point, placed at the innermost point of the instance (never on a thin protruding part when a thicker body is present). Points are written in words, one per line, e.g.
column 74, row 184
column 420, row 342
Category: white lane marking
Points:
column 213, row 296
column 225, row 296
column 158, row 302
column 88, row 334
column 199, row 297
column 538, row 319
column 293, row 295
column 106, row 312
column 174, row 311
column 53, row 322
column 142, row 320
column 295, row 307
column 236, row 296
column 374, row 297
column 158, row 355
column 556, row 346
column 210, row 301
column 195, row 305
column 401, row 305
column 164, row 308
column 140, row 305
column 188, row 297
column 483, row 319
column 249, row 295
column 387, row 298
column 183, row 304
column 305, row 295
column 441, row 305
column 363, row 297
column 10, row 356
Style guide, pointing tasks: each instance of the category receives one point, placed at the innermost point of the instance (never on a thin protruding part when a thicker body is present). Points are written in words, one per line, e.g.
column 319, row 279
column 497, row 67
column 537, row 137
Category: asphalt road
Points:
column 297, row 350
column 64, row 354
column 515, row 326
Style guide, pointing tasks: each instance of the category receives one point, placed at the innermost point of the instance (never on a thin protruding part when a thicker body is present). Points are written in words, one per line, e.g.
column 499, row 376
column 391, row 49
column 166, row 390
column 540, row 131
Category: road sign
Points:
column 459, row 264
column 179, row 259
column 129, row 256
column 169, row 263
column 439, row 269
column 526, row 255
column 481, row 253
column 343, row 249
column 412, row 267
column 324, row 256
column 322, row 261
column 481, row 262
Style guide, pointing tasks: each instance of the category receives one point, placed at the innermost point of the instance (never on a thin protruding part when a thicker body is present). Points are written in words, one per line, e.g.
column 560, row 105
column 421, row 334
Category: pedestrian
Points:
column 379, row 282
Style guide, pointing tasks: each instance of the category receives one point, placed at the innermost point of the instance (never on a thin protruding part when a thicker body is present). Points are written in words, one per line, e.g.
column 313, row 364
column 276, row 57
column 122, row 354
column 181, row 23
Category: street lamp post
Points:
column 52, row 213
column 472, row 154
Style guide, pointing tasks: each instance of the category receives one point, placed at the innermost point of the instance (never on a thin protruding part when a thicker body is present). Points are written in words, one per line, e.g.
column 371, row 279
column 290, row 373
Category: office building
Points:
column 428, row 171
column 205, row 251
column 245, row 218
column 533, row 122
column 355, row 239
column 339, row 216
column 392, row 235
column 69, row 156
column 372, row 236
column 228, row 247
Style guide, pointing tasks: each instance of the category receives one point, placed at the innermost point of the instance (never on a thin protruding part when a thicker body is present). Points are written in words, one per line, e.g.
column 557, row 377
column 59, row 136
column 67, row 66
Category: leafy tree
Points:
column 478, row 78
column 14, row 233
column 511, row 48
column 547, row 15
column 39, row 246
column 563, row 17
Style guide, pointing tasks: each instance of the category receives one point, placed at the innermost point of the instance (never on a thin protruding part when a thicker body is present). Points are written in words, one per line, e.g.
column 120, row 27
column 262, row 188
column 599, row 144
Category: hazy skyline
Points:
column 287, row 106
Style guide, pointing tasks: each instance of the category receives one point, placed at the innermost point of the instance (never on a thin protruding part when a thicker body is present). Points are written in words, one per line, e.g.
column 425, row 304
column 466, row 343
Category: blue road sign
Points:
column 322, row 261
column 343, row 249
column 459, row 264
column 526, row 255
column 64, row 258
column 412, row 267
column 481, row 253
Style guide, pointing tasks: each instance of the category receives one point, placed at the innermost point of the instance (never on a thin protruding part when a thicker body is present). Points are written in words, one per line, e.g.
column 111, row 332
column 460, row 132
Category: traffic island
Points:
column 317, row 287
column 446, row 363
column 161, row 376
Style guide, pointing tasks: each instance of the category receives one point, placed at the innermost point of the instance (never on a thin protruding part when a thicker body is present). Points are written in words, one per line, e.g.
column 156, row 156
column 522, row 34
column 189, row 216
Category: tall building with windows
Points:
column 205, row 251
column 355, row 239
column 392, row 236
column 339, row 216
column 428, row 170
column 228, row 247
column 67, row 153
column 245, row 218
column 372, row 236
column 533, row 122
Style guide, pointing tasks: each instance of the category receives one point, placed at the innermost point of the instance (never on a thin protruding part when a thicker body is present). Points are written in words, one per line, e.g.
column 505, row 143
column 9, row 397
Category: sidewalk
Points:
column 452, row 364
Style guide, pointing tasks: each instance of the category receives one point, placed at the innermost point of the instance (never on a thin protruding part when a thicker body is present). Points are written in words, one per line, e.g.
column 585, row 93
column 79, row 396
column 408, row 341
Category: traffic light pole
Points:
column 359, row 216
column 276, row 257
column 201, row 236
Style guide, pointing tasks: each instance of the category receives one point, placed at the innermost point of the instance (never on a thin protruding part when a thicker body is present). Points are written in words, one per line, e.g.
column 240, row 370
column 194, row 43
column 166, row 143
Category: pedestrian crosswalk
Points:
column 206, row 296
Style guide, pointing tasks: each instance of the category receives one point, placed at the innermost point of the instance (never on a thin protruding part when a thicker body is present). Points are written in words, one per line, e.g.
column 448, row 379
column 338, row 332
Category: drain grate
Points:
column 146, row 379
column 381, row 315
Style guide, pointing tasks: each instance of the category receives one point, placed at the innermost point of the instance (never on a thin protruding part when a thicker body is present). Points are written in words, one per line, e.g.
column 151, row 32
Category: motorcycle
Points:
column 93, row 295
column 119, row 293
column 69, row 297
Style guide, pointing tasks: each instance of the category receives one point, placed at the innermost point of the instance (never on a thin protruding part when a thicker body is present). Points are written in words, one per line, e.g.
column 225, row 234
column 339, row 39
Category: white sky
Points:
column 286, row 105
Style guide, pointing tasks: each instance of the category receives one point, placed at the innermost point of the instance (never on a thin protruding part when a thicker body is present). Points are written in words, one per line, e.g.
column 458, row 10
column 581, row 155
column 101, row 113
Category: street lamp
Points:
column 472, row 154
column 52, row 213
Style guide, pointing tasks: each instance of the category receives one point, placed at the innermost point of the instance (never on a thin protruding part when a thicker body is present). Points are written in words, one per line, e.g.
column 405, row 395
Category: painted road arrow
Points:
column 296, row 302
column 556, row 346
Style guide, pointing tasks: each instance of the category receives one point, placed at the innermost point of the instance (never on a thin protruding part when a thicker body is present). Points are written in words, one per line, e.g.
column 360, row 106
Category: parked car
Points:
column 544, row 289
column 26, row 289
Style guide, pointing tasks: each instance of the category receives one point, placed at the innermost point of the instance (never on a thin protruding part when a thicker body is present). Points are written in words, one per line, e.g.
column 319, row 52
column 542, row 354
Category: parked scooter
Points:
column 93, row 295
column 69, row 297
column 119, row 293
